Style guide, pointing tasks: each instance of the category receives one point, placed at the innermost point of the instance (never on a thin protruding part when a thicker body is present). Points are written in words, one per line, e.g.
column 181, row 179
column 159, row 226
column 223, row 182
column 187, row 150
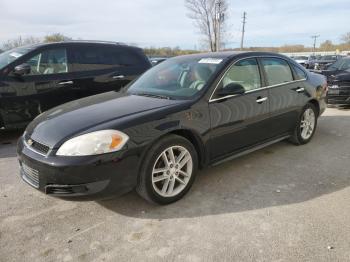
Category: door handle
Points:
column 300, row 90
column 261, row 100
column 66, row 83
column 118, row 77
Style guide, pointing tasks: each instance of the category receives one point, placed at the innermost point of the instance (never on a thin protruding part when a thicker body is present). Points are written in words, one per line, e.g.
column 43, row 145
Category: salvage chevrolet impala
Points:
column 180, row 116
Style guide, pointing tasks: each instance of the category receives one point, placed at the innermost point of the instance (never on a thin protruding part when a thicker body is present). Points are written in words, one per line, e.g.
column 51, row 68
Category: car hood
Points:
column 340, row 75
column 60, row 123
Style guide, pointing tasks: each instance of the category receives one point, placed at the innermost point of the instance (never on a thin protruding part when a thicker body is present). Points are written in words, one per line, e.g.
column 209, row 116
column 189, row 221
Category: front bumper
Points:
column 101, row 175
column 339, row 96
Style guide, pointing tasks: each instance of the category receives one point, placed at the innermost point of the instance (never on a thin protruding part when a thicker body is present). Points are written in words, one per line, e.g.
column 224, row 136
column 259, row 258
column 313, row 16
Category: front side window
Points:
column 244, row 73
column 299, row 74
column 176, row 78
column 9, row 56
column 53, row 61
column 277, row 71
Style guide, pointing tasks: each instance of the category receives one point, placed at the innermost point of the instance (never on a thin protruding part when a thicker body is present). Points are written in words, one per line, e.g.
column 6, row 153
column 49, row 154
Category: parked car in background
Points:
column 324, row 61
column 301, row 60
column 186, row 113
column 338, row 77
column 157, row 60
column 36, row 78
column 310, row 63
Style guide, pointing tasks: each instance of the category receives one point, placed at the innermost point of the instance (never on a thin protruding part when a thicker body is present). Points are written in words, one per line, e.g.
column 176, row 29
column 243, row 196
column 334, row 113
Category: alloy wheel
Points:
column 307, row 124
column 172, row 171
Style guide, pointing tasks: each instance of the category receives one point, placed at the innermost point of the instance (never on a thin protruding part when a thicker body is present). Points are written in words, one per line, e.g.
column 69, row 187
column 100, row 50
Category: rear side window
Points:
column 277, row 71
column 102, row 57
column 299, row 74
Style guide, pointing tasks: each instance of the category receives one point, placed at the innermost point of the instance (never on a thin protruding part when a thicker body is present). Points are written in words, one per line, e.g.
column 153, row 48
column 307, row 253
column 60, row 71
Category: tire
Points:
column 155, row 175
column 301, row 136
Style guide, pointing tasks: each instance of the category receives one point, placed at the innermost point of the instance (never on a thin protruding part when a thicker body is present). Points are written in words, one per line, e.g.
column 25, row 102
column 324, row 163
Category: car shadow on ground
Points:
column 282, row 174
column 8, row 141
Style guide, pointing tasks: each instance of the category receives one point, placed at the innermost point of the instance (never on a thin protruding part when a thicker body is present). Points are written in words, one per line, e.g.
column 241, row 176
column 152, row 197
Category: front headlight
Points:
column 95, row 143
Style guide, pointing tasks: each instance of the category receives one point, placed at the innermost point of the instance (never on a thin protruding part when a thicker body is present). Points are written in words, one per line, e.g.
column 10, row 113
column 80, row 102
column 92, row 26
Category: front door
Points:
column 239, row 121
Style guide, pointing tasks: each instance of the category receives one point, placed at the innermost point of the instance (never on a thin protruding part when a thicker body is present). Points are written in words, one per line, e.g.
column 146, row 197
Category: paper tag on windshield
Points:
column 210, row 61
column 16, row 55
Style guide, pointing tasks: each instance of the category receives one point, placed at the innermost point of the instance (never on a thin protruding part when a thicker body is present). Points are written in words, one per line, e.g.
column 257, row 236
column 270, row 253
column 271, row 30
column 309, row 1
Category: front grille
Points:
column 30, row 175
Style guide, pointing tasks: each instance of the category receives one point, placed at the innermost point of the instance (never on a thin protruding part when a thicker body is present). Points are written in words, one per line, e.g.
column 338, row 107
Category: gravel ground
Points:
column 282, row 203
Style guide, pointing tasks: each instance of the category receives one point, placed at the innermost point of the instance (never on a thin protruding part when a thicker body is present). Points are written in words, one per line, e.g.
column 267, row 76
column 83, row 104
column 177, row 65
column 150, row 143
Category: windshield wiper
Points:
column 153, row 95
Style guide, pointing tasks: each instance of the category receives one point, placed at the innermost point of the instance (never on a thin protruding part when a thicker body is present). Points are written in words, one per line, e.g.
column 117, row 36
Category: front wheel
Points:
column 168, row 170
column 306, row 125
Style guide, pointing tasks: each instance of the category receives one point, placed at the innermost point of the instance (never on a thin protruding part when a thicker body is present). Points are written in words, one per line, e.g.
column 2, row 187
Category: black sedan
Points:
column 338, row 76
column 182, row 115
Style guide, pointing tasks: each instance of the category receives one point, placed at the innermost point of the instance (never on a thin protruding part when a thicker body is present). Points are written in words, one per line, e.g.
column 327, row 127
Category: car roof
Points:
column 231, row 54
column 87, row 42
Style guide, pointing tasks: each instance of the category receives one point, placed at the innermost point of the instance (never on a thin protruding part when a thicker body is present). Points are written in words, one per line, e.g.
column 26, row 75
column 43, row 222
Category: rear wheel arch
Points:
column 316, row 104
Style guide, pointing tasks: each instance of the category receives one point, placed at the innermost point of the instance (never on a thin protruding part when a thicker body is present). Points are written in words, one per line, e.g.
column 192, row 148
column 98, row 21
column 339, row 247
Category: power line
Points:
column 243, row 28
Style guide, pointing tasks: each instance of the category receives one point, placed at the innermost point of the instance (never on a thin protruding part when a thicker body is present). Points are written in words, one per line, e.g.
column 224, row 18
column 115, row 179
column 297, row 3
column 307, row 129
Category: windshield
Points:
column 329, row 57
column 342, row 64
column 11, row 55
column 176, row 78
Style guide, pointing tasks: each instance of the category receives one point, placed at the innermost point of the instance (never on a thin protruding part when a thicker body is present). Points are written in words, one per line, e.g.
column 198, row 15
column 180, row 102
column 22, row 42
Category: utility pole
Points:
column 315, row 39
column 243, row 28
column 219, row 18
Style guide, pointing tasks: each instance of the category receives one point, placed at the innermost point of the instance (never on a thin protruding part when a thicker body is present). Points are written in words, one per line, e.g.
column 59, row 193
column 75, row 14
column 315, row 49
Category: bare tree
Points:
column 346, row 38
column 20, row 41
column 208, row 16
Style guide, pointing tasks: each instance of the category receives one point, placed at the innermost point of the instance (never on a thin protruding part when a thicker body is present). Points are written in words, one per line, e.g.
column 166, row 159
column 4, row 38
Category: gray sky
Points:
column 164, row 23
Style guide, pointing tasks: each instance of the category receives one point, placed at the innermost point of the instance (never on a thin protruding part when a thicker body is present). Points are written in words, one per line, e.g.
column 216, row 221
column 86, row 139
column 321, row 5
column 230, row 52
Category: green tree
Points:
column 56, row 37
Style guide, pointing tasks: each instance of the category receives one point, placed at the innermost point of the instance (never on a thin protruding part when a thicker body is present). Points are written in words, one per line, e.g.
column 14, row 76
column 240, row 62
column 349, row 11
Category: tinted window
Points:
column 101, row 57
column 299, row 74
column 277, row 71
column 52, row 61
column 245, row 73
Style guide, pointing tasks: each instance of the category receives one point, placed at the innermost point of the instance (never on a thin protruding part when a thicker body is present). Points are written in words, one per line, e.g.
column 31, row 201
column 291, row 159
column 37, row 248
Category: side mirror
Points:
column 22, row 69
column 231, row 89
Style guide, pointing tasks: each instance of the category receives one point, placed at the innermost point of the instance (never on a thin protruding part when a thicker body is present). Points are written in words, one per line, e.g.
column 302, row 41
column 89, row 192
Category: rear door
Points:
column 287, row 94
column 47, row 85
column 239, row 121
column 101, row 68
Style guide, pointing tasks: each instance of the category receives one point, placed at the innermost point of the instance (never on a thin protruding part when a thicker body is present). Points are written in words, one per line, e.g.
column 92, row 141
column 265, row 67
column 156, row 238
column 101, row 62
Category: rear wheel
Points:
column 306, row 125
column 168, row 170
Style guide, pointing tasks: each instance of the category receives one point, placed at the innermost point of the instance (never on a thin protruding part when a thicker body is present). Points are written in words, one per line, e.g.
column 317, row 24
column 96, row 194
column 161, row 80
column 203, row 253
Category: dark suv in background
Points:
column 36, row 78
